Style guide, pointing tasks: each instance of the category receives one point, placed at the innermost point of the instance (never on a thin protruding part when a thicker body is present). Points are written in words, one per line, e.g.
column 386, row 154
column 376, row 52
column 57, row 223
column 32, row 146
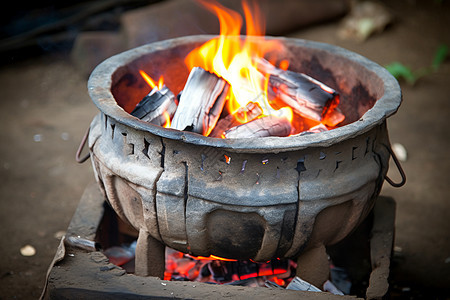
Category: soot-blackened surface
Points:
column 356, row 103
column 231, row 232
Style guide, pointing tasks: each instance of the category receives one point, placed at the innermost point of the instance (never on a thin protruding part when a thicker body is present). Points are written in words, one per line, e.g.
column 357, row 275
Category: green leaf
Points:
column 400, row 71
column 439, row 57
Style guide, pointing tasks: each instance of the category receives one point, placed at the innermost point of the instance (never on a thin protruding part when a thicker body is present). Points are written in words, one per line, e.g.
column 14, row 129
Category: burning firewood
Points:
column 304, row 94
column 333, row 118
column 318, row 128
column 315, row 129
column 201, row 102
column 156, row 107
column 262, row 127
column 244, row 114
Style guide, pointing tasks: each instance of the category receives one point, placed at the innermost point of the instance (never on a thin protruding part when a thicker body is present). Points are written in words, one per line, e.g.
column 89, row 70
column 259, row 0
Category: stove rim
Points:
column 100, row 82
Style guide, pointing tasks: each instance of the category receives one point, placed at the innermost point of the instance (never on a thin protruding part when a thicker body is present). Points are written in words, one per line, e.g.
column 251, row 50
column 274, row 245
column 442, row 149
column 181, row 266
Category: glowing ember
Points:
column 213, row 269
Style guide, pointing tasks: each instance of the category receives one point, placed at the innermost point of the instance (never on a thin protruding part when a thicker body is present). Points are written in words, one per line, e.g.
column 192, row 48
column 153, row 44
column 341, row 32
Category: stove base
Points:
column 80, row 274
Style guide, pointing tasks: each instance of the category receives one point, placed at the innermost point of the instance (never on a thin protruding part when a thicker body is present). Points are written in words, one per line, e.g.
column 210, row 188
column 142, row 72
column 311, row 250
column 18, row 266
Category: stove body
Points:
column 258, row 206
column 256, row 199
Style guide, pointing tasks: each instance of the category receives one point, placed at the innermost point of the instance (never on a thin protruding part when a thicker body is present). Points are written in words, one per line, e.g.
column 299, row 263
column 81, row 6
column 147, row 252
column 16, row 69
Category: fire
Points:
column 212, row 257
column 167, row 118
column 214, row 269
column 158, row 86
column 278, row 281
column 257, row 98
column 151, row 82
column 284, row 65
column 232, row 58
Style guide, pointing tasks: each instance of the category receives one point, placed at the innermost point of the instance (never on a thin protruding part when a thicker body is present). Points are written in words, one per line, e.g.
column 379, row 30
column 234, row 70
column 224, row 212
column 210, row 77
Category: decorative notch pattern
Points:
column 133, row 144
column 325, row 163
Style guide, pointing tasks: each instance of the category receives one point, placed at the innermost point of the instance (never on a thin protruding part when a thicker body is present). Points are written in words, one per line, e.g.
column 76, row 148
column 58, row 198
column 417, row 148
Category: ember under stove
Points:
column 259, row 199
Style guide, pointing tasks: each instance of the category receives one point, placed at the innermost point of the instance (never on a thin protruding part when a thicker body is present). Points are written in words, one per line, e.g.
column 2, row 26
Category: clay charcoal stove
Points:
column 274, row 197
column 274, row 149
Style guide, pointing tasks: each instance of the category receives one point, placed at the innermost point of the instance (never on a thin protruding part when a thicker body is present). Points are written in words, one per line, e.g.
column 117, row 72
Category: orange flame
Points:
column 284, row 65
column 151, row 82
column 212, row 257
column 167, row 118
column 158, row 86
column 233, row 58
column 278, row 281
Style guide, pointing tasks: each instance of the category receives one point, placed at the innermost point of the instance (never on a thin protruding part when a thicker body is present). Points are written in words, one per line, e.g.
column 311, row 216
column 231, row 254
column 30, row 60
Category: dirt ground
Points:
column 45, row 110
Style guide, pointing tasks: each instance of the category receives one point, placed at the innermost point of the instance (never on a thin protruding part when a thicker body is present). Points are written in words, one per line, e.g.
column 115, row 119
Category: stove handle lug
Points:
column 399, row 168
column 79, row 159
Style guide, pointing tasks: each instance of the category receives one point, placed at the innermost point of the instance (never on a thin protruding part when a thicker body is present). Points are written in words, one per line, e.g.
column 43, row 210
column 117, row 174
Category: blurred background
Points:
column 48, row 49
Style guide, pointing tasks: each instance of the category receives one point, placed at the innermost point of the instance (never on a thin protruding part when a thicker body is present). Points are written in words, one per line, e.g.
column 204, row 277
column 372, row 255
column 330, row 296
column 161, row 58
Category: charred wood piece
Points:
column 315, row 129
column 333, row 118
column 318, row 128
column 153, row 106
column 262, row 127
column 201, row 102
column 244, row 114
column 307, row 96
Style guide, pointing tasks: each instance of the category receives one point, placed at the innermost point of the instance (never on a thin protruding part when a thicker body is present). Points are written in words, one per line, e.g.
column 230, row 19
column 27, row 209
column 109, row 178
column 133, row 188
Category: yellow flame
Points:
column 167, row 118
column 151, row 82
column 213, row 257
column 232, row 58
